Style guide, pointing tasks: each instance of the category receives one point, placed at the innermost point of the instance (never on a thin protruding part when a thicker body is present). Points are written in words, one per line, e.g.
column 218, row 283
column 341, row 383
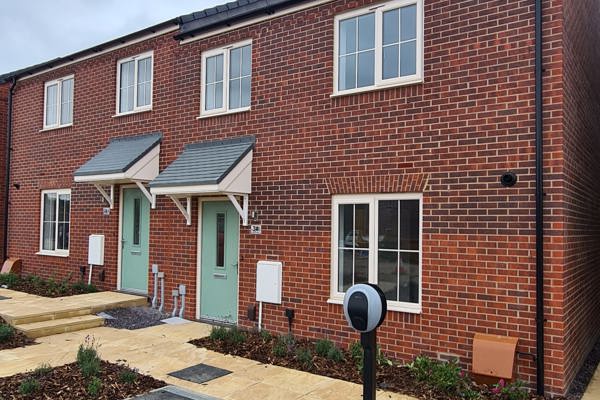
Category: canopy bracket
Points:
column 186, row 211
column 110, row 199
column 241, row 209
column 146, row 193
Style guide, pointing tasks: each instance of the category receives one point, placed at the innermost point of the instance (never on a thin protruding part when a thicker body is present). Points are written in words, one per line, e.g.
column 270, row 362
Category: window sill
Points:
column 139, row 111
column 53, row 128
column 367, row 89
column 391, row 306
column 52, row 254
column 228, row 112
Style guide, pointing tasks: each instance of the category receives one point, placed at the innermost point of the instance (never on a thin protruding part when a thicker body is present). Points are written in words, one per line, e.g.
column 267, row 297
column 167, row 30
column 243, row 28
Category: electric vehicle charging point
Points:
column 365, row 307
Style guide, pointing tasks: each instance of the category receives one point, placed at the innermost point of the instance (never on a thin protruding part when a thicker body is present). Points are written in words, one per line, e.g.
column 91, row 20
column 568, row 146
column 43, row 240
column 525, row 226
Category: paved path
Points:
column 593, row 390
column 161, row 349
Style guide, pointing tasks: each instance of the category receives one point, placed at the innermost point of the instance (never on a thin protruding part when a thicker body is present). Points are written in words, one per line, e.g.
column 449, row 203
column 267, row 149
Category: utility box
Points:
column 494, row 355
column 96, row 250
column 268, row 281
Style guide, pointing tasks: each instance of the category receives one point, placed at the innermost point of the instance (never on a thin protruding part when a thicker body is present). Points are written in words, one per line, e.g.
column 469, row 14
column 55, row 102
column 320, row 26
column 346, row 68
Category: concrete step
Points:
column 52, row 327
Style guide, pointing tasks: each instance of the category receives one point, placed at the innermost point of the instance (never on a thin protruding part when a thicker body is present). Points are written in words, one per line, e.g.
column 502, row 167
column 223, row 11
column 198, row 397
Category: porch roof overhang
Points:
column 128, row 159
column 221, row 167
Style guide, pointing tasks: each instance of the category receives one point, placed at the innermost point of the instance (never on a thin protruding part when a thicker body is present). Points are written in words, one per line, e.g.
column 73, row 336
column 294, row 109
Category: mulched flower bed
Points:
column 14, row 340
column 390, row 376
column 67, row 383
column 46, row 287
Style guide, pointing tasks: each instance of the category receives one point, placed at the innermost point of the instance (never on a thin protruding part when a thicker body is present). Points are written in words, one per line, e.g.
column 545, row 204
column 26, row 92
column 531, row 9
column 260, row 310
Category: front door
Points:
column 219, row 261
column 135, row 235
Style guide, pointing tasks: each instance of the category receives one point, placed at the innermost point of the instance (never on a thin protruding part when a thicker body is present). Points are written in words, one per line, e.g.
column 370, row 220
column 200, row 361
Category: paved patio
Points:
column 162, row 349
column 593, row 390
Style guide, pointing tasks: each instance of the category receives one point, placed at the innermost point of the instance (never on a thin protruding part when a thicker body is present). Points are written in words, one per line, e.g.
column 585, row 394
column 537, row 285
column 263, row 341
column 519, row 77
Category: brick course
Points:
column 451, row 138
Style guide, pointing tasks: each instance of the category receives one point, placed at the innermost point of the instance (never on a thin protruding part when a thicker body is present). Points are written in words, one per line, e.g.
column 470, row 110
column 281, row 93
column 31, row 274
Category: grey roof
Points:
column 205, row 163
column 225, row 14
column 120, row 154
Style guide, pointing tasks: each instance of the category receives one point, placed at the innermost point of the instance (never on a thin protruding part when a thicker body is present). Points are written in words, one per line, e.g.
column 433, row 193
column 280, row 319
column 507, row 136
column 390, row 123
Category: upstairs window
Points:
column 58, row 103
column 226, row 79
column 380, row 46
column 55, row 222
column 134, row 81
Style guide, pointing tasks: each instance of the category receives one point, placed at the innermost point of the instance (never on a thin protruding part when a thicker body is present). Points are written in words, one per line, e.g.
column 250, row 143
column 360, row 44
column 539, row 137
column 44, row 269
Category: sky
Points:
column 34, row 31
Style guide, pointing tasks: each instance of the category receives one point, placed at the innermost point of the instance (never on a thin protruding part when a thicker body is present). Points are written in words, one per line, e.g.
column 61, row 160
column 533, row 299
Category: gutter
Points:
column 539, row 202
column 7, row 169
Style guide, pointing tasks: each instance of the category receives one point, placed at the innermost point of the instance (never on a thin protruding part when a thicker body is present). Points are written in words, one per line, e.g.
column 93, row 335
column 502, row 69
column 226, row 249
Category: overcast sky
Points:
column 33, row 31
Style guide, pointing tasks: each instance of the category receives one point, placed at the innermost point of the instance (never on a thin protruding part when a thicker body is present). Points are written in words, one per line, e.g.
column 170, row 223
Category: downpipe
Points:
column 7, row 167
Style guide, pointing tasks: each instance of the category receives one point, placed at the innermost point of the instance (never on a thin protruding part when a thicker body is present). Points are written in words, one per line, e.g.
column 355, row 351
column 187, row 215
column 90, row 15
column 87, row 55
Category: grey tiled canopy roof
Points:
column 205, row 163
column 120, row 154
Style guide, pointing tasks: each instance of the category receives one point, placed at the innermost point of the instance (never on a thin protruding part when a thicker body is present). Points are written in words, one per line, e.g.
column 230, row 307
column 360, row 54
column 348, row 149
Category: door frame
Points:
column 201, row 201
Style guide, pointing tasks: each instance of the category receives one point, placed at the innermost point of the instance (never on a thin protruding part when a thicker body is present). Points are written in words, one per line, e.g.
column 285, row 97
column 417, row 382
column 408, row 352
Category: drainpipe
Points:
column 539, row 202
column 7, row 168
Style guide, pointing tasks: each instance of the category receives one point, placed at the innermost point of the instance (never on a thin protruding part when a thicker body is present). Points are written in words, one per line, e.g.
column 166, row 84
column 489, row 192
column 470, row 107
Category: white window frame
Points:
column 56, row 252
column 59, row 83
column 372, row 200
column 225, row 51
column 136, row 109
column 380, row 83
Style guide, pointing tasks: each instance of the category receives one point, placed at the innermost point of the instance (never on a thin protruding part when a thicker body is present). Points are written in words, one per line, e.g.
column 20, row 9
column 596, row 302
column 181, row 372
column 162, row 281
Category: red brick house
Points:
column 367, row 140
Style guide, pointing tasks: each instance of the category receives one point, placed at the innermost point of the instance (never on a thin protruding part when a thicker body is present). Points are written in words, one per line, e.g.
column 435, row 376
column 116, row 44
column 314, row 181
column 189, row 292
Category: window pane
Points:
column 209, row 101
column 63, row 237
column 234, row 93
column 361, row 223
column 247, row 60
column 366, row 68
column 48, row 236
column 391, row 28
column 220, row 240
column 408, row 23
column 347, row 79
column 409, row 225
column 235, row 63
column 366, row 32
column 408, row 58
column 219, row 95
column 345, row 270
column 126, row 86
column 211, row 69
column 49, row 207
column 246, row 92
column 361, row 266
column 51, row 104
column 409, row 277
column 390, row 61
column 388, row 224
column 347, row 36
column 346, row 225
column 137, row 211
column 64, row 205
column 387, row 274
column 49, row 221
column 219, row 68
column 66, row 107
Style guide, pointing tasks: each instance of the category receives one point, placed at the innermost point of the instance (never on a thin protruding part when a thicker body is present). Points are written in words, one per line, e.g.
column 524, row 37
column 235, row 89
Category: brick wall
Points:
column 581, row 147
column 451, row 137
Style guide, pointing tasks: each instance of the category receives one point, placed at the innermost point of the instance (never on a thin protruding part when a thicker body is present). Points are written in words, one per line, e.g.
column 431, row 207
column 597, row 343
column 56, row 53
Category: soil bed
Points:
column 67, row 383
column 134, row 318
column 46, row 287
column 390, row 376
column 17, row 339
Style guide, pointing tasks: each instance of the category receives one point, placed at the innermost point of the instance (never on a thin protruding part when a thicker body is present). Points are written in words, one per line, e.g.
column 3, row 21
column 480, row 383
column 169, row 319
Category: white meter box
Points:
column 268, row 281
column 96, row 250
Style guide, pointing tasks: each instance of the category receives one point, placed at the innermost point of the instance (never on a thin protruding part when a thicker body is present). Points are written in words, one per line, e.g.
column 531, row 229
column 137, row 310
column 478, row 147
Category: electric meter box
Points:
column 268, row 281
column 96, row 250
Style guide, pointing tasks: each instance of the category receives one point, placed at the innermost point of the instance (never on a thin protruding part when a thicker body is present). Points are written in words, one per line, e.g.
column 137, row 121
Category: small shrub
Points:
column 29, row 386
column 356, row 352
column 288, row 340
column 127, row 376
column 82, row 287
column 9, row 280
column 6, row 332
column 511, row 391
column 280, row 349
column 236, row 336
column 88, row 359
column 94, row 387
column 218, row 333
column 381, row 358
column 304, row 356
column 42, row 370
column 265, row 335
column 443, row 376
column 323, row 346
column 335, row 354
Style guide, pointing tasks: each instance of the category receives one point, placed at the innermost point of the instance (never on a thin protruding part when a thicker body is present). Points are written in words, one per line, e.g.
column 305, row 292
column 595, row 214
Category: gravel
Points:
column 585, row 374
column 134, row 318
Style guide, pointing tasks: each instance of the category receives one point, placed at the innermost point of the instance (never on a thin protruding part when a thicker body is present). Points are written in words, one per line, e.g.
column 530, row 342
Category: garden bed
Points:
column 11, row 338
column 424, row 378
column 46, row 287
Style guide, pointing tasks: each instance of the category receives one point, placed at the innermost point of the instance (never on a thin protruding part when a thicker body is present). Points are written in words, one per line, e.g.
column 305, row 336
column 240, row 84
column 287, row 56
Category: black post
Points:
column 369, row 344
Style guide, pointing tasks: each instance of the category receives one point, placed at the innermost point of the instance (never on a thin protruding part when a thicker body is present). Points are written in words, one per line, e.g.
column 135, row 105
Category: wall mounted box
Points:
column 494, row 356
column 268, row 281
column 96, row 250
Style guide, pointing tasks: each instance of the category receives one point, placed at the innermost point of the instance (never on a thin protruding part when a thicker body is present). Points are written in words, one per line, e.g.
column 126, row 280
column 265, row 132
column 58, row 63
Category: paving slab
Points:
column 593, row 390
column 200, row 373
column 173, row 393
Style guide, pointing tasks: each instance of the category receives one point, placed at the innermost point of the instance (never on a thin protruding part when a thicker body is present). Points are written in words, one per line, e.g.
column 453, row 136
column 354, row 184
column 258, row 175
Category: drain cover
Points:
column 173, row 393
column 4, row 298
column 200, row 373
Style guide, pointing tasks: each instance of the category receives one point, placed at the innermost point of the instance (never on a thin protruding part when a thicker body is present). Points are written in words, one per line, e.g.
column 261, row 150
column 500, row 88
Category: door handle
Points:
column 234, row 265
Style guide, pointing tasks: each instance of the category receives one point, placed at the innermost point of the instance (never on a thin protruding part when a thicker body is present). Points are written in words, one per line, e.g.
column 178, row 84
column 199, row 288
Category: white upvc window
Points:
column 134, row 83
column 55, row 222
column 58, row 102
column 378, row 47
column 377, row 239
column 226, row 79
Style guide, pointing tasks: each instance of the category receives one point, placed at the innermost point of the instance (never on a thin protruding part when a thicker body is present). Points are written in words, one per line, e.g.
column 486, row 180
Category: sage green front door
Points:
column 135, row 236
column 219, row 261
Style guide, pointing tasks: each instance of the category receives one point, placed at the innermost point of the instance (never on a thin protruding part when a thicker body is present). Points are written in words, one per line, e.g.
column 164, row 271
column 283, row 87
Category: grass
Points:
column 127, row 376
column 42, row 370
